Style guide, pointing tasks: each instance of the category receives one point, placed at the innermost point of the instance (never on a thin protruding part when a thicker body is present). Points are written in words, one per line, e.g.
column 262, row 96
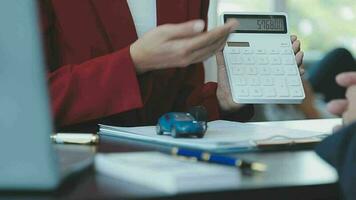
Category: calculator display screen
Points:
column 259, row 23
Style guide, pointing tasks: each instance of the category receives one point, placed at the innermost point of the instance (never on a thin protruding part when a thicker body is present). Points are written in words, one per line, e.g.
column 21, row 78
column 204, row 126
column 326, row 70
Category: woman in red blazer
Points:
column 100, row 73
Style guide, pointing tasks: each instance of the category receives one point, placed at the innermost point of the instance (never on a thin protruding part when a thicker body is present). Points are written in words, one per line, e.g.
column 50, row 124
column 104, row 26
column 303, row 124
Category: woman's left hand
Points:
column 223, row 91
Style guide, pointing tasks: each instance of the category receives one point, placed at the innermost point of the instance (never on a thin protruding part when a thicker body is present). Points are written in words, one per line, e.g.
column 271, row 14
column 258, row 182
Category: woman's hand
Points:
column 224, row 93
column 178, row 45
column 299, row 54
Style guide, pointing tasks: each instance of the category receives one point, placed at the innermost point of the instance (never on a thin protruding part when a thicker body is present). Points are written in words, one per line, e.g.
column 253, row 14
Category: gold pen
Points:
column 75, row 138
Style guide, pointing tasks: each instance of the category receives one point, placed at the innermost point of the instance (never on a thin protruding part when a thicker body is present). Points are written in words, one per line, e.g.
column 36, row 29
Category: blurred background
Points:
column 327, row 31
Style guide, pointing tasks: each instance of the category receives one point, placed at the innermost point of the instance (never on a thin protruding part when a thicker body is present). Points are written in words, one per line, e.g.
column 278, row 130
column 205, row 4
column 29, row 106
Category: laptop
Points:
column 28, row 160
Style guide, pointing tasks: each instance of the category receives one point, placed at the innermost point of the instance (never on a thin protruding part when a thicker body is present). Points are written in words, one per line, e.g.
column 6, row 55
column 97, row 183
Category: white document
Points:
column 221, row 136
column 166, row 173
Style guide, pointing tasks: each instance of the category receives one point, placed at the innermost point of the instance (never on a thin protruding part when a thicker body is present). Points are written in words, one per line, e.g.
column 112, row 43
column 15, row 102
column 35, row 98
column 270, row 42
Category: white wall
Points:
column 210, row 64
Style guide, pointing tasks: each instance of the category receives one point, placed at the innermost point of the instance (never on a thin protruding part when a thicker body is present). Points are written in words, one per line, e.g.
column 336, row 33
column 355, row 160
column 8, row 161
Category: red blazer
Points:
column 91, row 74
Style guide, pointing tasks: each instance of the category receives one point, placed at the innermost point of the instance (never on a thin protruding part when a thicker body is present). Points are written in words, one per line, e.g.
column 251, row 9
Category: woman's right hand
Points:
column 178, row 45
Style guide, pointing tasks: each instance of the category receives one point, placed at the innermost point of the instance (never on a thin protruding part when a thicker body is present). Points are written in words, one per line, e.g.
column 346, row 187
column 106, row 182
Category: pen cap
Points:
column 75, row 138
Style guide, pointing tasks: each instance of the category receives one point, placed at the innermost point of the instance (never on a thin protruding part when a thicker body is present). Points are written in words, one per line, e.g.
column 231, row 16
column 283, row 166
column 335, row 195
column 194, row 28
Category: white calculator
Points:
column 260, row 61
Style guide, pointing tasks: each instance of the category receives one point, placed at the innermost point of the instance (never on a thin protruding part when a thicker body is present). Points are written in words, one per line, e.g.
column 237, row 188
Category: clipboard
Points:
column 280, row 142
column 224, row 137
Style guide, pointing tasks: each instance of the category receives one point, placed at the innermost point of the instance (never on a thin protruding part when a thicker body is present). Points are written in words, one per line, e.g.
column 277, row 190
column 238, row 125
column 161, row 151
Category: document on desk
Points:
column 167, row 173
column 221, row 136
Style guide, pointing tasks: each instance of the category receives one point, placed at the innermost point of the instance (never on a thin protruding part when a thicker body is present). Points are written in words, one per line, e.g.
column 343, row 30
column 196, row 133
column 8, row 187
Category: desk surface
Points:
column 291, row 175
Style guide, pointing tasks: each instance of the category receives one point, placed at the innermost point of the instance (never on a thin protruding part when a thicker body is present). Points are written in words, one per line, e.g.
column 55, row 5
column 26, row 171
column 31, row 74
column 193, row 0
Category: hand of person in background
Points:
column 345, row 107
column 223, row 91
column 178, row 45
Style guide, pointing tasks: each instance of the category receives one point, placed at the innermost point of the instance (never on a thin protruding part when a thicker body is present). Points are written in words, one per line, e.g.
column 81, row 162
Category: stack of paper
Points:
column 221, row 136
column 166, row 173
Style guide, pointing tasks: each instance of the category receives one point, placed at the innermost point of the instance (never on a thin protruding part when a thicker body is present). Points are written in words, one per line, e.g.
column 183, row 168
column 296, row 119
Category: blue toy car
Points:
column 180, row 124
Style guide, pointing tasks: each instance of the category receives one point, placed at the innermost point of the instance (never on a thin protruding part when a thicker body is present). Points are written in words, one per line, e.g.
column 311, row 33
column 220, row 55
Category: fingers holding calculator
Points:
column 299, row 54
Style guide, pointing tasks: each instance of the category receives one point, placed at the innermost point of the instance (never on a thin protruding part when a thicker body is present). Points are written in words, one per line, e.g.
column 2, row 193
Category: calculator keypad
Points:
column 264, row 73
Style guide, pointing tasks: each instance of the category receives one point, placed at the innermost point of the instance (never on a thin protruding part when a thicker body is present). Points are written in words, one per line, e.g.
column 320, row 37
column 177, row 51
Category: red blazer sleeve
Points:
column 97, row 88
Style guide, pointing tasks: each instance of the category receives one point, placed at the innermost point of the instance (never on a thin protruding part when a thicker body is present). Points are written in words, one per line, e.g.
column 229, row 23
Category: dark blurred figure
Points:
column 339, row 149
column 322, row 74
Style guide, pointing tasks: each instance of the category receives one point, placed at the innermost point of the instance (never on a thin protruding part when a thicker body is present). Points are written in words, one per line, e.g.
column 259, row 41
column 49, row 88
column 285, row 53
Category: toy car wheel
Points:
column 200, row 135
column 159, row 130
column 174, row 132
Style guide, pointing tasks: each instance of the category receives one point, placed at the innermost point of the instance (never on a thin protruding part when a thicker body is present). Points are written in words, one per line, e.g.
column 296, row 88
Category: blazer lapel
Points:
column 172, row 11
column 178, row 11
column 116, row 19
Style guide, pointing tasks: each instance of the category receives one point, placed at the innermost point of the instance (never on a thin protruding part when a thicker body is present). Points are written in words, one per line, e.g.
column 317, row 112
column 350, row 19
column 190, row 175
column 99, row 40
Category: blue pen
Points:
column 219, row 159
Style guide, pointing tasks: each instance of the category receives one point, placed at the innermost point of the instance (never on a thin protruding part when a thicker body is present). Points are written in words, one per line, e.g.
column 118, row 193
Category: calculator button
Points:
column 296, row 92
column 264, row 70
column 251, row 70
column 274, row 51
column 288, row 60
column 276, row 70
column 260, row 51
column 255, row 91
column 249, row 60
column 228, row 50
column 262, row 60
column 238, row 70
column 287, row 51
column 269, row 91
column 285, row 44
column 282, row 91
column 236, row 59
column 248, row 51
column 242, row 91
column 240, row 80
column 293, row 81
column 253, row 80
column 291, row 70
column 275, row 60
column 267, row 81
column 234, row 50
column 279, row 81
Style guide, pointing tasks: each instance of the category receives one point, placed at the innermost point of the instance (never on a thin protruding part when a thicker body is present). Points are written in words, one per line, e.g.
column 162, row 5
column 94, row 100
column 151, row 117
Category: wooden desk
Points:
column 291, row 175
